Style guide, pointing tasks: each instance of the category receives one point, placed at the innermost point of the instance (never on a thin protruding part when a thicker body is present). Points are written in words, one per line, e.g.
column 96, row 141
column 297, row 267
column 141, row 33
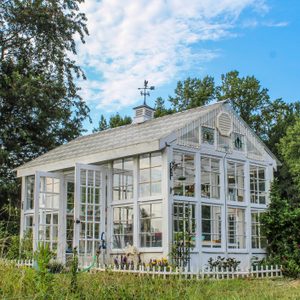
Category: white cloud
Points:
column 135, row 40
column 276, row 24
column 253, row 23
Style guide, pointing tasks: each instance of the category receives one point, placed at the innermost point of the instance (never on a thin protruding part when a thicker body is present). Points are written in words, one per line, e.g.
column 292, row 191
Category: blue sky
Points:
column 166, row 41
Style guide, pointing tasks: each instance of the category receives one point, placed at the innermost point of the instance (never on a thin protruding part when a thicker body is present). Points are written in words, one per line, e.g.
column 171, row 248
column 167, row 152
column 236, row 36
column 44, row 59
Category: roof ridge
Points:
column 149, row 121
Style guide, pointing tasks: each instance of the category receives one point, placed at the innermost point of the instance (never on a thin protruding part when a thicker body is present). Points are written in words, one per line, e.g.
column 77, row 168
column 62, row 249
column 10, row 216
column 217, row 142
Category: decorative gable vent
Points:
column 224, row 123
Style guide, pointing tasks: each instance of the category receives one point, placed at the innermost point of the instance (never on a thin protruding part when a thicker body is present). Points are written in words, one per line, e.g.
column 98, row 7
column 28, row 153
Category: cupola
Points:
column 143, row 113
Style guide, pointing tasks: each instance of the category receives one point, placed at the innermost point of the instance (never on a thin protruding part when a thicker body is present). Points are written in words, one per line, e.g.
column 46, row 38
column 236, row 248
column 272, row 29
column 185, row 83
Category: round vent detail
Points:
column 224, row 123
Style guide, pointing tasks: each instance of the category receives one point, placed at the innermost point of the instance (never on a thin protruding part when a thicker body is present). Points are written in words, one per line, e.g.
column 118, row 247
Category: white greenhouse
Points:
column 202, row 171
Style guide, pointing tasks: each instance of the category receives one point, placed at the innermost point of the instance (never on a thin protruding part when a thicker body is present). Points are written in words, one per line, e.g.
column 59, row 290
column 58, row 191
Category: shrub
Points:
column 44, row 279
column 281, row 225
column 55, row 267
column 223, row 263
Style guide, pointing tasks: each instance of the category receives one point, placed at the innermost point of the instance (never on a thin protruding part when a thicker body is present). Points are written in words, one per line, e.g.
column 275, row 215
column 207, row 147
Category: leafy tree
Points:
column 160, row 109
column 102, row 124
column 278, row 116
column 192, row 92
column 247, row 97
column 114, row 121
column 281, row 226
column 290, row 150
column 39, row 103
column 282, row 220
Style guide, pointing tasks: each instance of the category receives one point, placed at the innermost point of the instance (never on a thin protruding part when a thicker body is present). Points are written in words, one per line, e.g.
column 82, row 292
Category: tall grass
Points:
column 22, row 284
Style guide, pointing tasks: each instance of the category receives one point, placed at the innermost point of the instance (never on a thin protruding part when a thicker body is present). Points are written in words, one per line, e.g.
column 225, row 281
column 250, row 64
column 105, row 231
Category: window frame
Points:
column 235, row 185
column 209, row 247
column 150, row 218
column 210, row 172
column 192, row 220
column 121, row 221
column 176, row 182
column 259, row 236
column 29, row 193
column 207, row 129
column 150, row 181
column 236, row 228
column 257, row 193
column 235, row 136
column 123, row 188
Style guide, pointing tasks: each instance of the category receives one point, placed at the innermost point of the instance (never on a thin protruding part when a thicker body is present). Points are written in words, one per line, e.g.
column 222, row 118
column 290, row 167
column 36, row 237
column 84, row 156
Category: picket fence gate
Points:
column 168, row 272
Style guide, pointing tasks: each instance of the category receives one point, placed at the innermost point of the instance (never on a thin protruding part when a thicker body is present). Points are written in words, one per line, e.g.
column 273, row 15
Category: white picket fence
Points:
column 205, row 272
column 168, row 272
column 18, row 263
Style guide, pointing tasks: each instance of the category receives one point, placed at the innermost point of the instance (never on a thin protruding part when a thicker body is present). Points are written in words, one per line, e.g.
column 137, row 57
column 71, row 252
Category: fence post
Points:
column 272, row 271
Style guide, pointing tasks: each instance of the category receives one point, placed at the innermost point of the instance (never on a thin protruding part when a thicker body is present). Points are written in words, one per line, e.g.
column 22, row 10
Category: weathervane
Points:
column 145, row 90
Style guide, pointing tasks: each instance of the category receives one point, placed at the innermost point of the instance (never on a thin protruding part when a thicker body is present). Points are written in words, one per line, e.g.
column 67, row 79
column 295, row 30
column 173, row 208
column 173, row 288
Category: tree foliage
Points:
column 290, row 150
column 39, row 103
column 160, row 108
column 281, row 226
column 114, row 121
column 247, row 97
column 192, row 92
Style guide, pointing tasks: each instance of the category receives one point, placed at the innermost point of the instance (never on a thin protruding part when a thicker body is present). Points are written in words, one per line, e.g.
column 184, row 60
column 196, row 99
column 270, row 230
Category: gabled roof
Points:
column 125, row 136
column 122, row 141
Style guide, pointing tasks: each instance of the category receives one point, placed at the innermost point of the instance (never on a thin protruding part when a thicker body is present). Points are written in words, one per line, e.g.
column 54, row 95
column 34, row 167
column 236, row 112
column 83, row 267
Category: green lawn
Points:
column 25, row 284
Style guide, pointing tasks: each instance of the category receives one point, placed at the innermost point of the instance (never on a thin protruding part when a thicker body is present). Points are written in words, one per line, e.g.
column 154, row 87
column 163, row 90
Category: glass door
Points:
column 89, row 210
column 48, row 211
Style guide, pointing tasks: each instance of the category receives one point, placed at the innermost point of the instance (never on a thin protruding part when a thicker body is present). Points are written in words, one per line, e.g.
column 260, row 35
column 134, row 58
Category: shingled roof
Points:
column 125, row 136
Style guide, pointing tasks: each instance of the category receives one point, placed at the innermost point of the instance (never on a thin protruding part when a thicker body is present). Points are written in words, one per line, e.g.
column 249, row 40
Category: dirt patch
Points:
column 294, row 283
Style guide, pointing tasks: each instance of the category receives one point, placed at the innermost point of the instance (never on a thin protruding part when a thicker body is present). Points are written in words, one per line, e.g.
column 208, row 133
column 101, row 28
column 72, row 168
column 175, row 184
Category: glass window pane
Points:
column 145, row 211
column 144, row 189
column 156, row 174
column 156, row 159
column 144, row 175
column 208, row 135
column 150, row 225
column 144, row 161
column 156, row 210
column 156, row 188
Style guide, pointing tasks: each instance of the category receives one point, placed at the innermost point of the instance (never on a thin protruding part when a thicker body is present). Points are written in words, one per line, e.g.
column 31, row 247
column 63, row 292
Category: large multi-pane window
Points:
column 184, row 174
column 123, row 179
column 211, row 226
column 258, row 240
column 151, row 225
column 150, row 174
column 122, row 227
column 235, row 181
column 210, row 177
column 258, row 184
column 236, row 228
column 184, row 222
